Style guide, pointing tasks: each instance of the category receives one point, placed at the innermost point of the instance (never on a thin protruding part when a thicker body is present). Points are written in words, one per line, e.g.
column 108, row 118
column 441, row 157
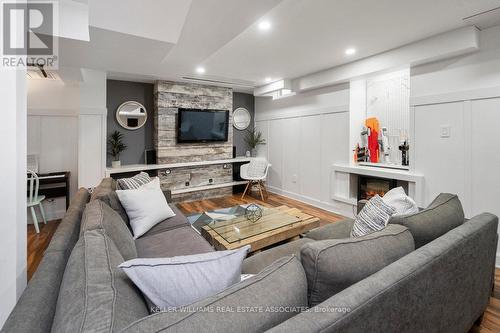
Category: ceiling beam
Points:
column 442, row 46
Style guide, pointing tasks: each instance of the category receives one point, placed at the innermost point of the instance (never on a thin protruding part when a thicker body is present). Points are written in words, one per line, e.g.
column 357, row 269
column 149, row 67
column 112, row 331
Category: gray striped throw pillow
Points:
column 134, row 182
column 373, row 217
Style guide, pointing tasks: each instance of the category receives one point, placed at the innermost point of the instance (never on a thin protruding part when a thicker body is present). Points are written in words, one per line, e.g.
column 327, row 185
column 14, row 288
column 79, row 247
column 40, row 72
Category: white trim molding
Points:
column 456, row 96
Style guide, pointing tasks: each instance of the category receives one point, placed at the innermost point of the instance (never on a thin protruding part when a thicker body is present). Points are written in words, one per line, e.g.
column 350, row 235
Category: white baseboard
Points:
column 341, row 208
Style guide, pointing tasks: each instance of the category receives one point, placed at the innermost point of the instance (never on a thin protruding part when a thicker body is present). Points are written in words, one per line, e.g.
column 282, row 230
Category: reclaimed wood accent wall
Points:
column 169, row 96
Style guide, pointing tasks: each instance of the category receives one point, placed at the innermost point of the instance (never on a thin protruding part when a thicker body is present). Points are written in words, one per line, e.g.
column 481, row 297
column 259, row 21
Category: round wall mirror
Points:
column 131, row 115
column 241, row 118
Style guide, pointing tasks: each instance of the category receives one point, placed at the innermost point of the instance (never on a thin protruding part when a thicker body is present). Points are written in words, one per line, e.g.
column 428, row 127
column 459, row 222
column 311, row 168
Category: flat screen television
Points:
column 196, row 125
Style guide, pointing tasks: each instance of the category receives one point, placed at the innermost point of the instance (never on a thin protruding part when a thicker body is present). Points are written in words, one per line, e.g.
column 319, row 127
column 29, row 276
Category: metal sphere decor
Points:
column 253, row 212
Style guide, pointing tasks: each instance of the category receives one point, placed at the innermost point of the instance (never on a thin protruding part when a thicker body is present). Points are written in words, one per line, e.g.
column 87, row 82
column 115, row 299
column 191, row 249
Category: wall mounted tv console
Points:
column 125, row 170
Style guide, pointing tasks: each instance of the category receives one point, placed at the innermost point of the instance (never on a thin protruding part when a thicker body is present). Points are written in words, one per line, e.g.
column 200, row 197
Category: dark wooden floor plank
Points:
column 37, row 243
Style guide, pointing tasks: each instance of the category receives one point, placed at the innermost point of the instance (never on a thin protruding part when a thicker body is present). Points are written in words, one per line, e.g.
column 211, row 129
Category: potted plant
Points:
column 253, row 139
column 116, row 146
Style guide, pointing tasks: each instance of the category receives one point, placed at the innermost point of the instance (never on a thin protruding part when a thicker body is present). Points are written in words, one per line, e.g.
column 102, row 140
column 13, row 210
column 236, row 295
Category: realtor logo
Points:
column 28, row 34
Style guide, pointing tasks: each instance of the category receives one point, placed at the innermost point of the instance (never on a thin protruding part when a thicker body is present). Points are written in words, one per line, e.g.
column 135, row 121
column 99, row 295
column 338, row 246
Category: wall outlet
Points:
column 186, row 183
column 445, row 131
column 294, row 178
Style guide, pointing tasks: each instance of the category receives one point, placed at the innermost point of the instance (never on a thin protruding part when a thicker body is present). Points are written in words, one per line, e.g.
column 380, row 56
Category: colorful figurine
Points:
column 373, row 125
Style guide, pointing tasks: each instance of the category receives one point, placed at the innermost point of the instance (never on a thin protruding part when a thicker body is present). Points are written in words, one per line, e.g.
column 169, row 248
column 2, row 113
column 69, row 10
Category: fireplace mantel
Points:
column 344, row 181
column 380, row 172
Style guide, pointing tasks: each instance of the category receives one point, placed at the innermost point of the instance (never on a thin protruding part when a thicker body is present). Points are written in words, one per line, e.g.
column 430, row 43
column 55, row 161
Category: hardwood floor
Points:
column 37, row 243
column 491, row 319
column 273, row 200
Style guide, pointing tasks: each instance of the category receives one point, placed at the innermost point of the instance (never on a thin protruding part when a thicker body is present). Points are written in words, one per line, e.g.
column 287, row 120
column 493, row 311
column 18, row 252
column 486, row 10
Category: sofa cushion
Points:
column 281, row 285
column 179, row 220
column 442, row 215
column 333, row 265
column 176, row 242
column 95, row 295
column 336, row 230
column 182, row 280
column 106, row 192
column 98, row 215
column 261, row 260
column 35, row 309
column 68, row 231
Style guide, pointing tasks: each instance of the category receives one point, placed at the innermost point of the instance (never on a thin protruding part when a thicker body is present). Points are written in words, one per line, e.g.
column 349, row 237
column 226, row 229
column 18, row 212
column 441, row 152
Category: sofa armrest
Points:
column 337, row 230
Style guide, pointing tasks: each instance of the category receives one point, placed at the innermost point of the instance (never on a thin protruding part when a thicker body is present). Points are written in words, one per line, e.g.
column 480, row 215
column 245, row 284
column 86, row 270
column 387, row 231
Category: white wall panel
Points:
column 485, row 176
column 263, row 127
column 310, row 157
column 91, row 149
column 334, row 147
column 305, row 135
column 388, row 99
column 440, row 159
column 291, row 155
column 275, row 145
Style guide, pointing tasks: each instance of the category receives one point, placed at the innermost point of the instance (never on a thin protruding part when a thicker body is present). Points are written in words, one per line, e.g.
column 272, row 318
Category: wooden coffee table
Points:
column 276, row 224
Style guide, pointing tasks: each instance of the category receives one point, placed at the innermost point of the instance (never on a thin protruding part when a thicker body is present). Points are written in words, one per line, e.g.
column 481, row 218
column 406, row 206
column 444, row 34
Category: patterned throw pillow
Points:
column 133, row 183
column 373, row 217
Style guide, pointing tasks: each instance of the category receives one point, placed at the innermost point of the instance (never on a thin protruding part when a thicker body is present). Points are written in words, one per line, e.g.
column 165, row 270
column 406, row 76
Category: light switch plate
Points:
column 445, row 131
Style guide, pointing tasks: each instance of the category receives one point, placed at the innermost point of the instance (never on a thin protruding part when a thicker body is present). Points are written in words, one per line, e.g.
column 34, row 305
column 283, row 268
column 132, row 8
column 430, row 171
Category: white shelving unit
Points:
column 207, row 187
column 145, row 167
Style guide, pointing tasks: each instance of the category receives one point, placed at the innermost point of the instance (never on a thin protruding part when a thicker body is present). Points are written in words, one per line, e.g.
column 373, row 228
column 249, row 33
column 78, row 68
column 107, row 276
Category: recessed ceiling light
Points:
column 200, row 70
column 350, row 51
column 265, row 25
column 268, row 79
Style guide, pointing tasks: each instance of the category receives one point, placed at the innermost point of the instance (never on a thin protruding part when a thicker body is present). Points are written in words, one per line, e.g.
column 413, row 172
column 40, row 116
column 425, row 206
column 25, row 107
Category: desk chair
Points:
column 34, row 199
column 255, row 173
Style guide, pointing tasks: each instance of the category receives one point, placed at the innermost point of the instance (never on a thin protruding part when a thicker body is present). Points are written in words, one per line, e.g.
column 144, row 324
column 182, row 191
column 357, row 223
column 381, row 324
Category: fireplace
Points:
column 370, row 186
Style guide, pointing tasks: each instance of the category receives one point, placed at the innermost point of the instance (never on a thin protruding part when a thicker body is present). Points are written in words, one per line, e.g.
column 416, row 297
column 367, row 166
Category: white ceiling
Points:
column 168, row 39
column 153, row 19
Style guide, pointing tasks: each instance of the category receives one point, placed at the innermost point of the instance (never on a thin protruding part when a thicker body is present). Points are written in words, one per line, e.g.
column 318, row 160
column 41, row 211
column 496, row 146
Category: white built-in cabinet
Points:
column 456, row 148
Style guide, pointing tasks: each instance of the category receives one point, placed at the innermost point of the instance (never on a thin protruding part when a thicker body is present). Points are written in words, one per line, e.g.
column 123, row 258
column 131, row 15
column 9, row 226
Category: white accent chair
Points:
column 34, row 199
column 255, row 173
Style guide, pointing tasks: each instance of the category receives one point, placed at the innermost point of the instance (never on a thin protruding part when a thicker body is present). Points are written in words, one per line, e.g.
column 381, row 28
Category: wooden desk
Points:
column 55, row 185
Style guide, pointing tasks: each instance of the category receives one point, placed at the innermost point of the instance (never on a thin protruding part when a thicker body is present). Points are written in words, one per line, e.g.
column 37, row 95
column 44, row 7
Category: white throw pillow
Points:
column 402, row 204
column 183, row 280
column 145, row 207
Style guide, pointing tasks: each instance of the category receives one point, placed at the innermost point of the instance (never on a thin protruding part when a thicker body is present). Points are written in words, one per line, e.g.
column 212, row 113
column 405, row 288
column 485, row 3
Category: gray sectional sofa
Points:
column 428, row 272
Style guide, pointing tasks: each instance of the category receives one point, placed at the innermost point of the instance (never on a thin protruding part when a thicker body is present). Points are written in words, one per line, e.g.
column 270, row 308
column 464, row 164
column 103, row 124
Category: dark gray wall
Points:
column 137, row 141
column 246, row 101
